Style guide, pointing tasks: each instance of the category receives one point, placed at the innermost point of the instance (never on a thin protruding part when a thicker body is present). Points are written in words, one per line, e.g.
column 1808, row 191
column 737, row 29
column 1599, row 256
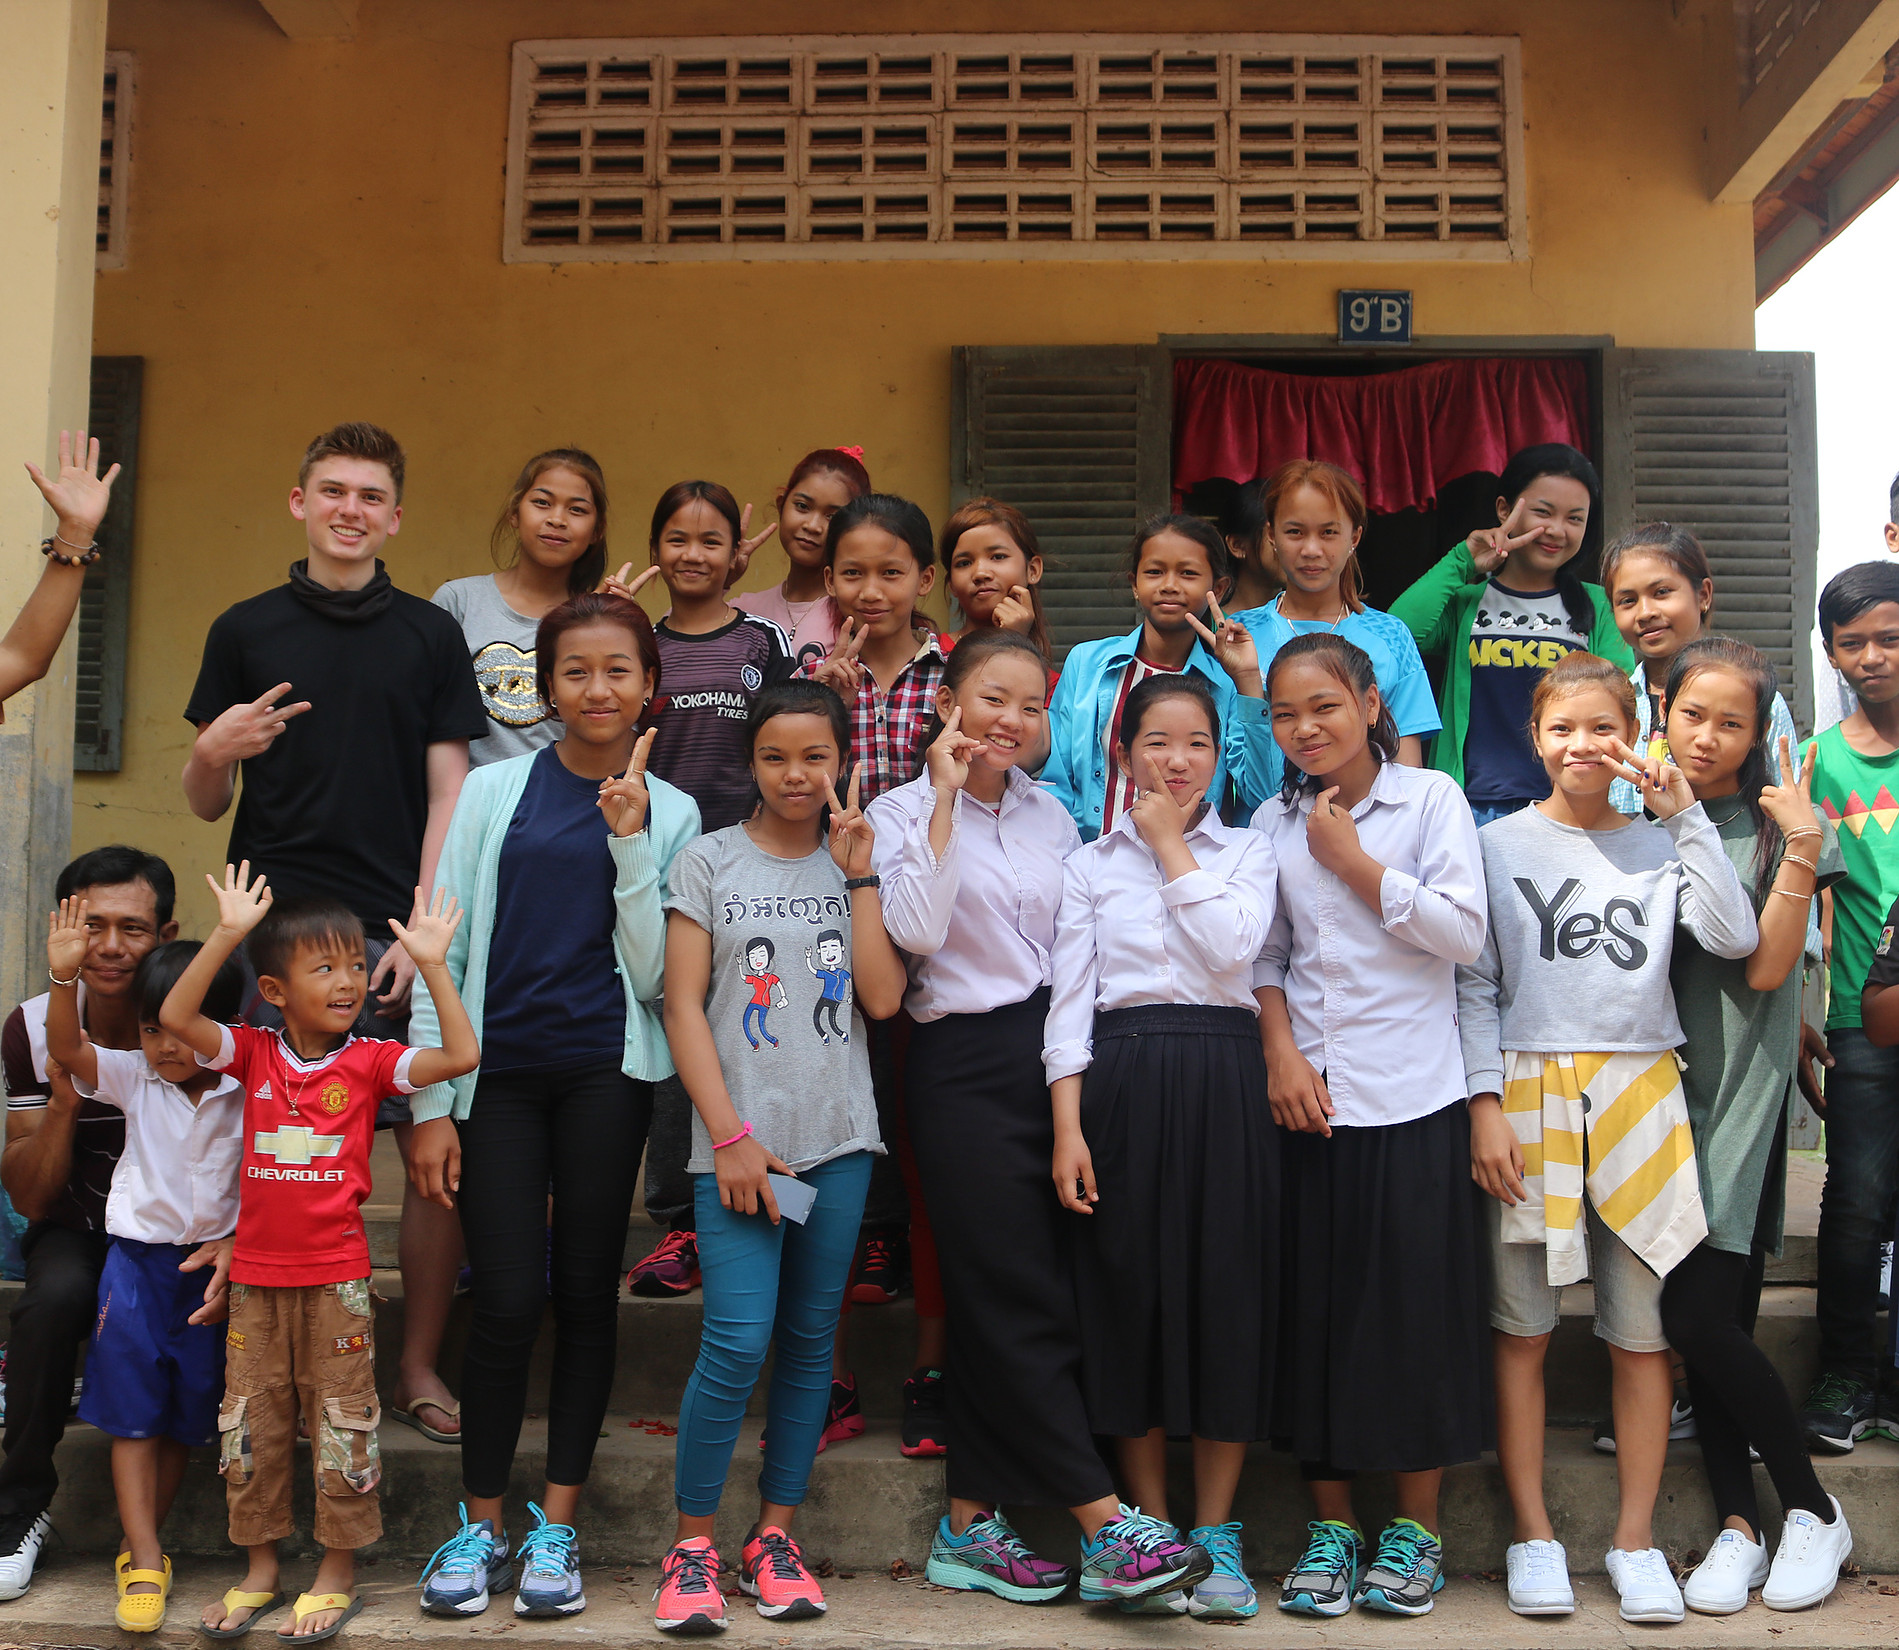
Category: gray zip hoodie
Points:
column 1582, row 926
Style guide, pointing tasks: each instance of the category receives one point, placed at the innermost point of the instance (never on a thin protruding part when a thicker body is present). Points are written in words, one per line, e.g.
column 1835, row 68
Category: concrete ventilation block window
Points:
column 948, row 146
column 115, row 158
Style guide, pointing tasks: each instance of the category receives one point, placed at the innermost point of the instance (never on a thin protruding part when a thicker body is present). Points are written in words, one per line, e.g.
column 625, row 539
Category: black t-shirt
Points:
column 98, row 1129
column 339, row 802
column 706, row 687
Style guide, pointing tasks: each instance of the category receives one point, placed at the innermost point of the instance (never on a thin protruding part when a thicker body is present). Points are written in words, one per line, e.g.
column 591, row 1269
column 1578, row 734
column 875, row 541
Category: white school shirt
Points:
column 976, row 927
column 1373, row 994
column 1126, row 937
column 176, row 1181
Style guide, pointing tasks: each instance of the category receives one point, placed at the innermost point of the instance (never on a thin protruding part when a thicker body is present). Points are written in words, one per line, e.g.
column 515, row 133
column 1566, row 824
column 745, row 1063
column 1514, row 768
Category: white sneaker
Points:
column 1733, row 1568
column 16, row 1566
column 1807, row 1565
column 1538, row 1573
column 1645, row 1585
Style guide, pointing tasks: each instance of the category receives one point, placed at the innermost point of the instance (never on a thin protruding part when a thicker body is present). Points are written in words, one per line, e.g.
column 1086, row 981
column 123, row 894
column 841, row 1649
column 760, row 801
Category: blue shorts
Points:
column 150, row 1373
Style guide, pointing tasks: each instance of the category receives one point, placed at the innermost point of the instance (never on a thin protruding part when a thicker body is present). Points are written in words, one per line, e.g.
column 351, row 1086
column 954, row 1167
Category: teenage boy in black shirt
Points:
column 348, row 705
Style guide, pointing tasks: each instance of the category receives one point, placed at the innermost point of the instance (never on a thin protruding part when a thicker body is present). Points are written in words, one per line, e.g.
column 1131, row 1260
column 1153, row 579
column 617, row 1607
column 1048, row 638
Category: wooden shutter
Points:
column 1723, row 442
column 1076, row 438
column 105, row 602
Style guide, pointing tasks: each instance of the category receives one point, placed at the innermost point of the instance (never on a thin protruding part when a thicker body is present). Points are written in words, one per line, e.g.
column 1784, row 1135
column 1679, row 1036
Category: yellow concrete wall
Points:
column 316, row 234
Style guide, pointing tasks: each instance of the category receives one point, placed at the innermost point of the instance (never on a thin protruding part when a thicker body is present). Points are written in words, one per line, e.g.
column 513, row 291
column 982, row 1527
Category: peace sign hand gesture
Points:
column 625, row 800
column 839, row 668
column 1790, row 803
column 851, row 835
column 951, row 752
column 248, row 730
column 1231, row 643
column 1015, row 611
column 615, row 584
column 78, row 494
column 742, row 553
column 1662, row 786
column 1490, row 547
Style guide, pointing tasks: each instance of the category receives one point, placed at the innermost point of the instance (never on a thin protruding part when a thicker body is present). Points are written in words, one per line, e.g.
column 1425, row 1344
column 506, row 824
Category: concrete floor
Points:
column 71, row 1605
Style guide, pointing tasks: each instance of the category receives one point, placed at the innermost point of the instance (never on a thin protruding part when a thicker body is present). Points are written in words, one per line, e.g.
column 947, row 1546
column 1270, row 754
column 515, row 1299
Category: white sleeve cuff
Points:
column 401, row 1078
column 227, row 1051
column 1191, row 887
column 1068, row 1059
column 1397, row 897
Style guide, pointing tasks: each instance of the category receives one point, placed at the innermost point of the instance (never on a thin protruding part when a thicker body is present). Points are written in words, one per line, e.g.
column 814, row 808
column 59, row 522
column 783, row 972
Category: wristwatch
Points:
column 851, row 883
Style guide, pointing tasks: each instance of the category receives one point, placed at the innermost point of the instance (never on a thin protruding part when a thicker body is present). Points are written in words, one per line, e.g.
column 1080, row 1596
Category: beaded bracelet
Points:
column 744, row 1130
column 85, row 558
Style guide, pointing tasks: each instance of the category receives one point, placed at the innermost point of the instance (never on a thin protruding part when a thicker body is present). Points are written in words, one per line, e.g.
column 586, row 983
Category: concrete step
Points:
column 71, row 1605
column 869, row 1506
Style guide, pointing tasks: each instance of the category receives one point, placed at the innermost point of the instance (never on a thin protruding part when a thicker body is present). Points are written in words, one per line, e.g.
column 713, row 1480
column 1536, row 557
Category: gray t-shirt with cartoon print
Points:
column 783, row 1015
column 501, row 647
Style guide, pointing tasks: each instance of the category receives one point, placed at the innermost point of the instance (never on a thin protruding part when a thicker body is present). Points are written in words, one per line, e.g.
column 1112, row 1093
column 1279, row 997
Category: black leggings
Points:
column 580, row 1131
column 1709, row 1302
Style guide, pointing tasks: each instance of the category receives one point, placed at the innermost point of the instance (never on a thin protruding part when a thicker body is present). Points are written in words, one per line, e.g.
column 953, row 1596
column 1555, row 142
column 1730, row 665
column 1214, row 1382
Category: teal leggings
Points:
column 767, row 1285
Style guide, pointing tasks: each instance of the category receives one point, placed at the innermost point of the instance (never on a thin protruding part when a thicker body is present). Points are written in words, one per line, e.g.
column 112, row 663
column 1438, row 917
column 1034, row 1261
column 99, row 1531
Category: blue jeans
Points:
column 767, row 1286
column 1856, row 1208
column 1485, row 812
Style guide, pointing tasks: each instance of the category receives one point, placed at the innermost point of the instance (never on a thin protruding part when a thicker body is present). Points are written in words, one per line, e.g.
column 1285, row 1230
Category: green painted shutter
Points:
column 1723, row 442
column 1076, row 438
column 105, row 602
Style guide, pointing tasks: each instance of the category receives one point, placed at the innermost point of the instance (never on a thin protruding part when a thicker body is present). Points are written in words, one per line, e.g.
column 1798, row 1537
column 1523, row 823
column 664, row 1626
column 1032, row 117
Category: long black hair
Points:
column 975, row 646
column 1352, row 665
column 896, row 516
column 1757, row 771
column 1153, row 690
column 1558, row 458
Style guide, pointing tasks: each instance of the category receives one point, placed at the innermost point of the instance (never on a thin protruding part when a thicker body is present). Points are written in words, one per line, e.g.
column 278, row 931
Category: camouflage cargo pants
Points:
column 309, row 1350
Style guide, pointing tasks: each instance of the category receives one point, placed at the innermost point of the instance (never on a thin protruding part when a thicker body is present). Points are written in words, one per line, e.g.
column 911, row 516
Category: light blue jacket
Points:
column 469, row 869
column 1083, row 706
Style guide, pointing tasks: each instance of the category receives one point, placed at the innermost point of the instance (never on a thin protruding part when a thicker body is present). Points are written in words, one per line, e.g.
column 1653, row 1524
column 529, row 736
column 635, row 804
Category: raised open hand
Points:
column 431, row 927
column 67, row 939
column 78, row 494
column 241, row 902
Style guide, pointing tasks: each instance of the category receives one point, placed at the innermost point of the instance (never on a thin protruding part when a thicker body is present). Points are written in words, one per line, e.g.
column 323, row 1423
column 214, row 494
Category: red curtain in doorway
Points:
column 1404, row 434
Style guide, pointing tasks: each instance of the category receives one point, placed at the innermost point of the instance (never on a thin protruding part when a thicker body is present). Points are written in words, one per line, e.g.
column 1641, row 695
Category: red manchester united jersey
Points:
column 308, row 1125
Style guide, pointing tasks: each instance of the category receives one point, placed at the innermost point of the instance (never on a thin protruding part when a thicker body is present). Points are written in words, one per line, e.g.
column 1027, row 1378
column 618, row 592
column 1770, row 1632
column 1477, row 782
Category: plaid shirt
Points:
column 887, row 727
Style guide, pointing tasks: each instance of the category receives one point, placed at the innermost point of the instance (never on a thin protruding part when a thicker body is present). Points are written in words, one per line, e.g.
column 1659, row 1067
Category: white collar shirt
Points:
column 1126, row 936
column 1372, row 995
column 176, row 1181
column 976, row 927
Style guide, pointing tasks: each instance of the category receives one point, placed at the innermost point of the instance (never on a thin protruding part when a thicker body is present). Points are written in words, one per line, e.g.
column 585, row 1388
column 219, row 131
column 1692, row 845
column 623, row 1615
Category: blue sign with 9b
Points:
column 1374, row 317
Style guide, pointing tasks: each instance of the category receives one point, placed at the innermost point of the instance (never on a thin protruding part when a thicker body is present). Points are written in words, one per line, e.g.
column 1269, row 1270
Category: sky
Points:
column 1841, row 307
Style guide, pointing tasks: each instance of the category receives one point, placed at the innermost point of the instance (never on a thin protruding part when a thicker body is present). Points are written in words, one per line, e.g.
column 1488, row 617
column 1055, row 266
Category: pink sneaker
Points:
column 671, row 1269
column 688, row 1600
column 773, row 1571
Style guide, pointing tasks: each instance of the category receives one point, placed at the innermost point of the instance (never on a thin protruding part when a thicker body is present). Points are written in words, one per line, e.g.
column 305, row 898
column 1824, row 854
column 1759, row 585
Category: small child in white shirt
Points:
column 155, row 1369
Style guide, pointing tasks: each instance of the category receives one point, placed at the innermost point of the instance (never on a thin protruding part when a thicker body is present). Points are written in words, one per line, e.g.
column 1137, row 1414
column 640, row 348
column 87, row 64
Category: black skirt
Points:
column 1385, row 1346
column 984, row 1138
column 1177, row 1270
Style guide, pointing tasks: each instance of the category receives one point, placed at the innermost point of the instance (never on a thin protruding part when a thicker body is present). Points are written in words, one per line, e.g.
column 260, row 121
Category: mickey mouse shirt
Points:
column 1514, row 638
column 780, row 1003
column 308, row 1126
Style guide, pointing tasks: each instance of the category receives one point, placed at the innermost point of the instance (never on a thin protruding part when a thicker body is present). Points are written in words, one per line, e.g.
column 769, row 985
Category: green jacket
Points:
column 1437, row 611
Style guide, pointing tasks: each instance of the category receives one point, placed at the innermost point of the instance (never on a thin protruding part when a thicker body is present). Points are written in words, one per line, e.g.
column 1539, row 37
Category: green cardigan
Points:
column 469, row 869
column 1437, row 611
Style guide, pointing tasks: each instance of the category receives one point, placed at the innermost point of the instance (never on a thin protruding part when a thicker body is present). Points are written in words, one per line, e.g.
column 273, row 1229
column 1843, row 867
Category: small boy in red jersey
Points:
column 300, row 1327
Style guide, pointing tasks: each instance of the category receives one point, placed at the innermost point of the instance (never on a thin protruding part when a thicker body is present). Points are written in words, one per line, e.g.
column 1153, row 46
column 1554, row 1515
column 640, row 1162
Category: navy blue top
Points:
column 1514, row 639
column 553, row 996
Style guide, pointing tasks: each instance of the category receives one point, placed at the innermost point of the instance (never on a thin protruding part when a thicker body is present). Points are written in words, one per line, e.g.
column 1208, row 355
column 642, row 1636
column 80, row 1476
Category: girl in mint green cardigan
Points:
column 1498, row 611
column 561, row 859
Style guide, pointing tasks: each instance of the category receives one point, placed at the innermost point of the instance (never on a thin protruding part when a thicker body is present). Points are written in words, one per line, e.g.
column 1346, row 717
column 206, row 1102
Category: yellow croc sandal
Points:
column 259, row 1605
column 143, row 1612
column 119, row 1566
column 314, row 1604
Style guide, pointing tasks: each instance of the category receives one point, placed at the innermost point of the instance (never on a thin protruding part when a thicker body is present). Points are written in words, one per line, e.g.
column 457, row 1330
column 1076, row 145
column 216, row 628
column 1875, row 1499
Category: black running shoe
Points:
column 1839, row 1411
column 925, row 1417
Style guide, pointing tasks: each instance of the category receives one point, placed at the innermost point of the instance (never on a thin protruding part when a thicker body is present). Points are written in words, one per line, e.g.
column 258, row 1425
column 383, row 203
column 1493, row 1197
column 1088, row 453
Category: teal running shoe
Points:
column 1227, row 1594
column 989, row 1557
column 1134, row 1556
column 465, row 1569
column 1405, row 1573
column 1325, row 1581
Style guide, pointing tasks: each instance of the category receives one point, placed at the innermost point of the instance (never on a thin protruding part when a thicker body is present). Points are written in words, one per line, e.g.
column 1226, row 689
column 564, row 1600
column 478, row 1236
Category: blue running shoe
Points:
column 990, row 1557
column 1406, row 1571
column 550, row 1571
column 465, row 1569
column 1325, row 1581
column 1227, row 1594
column 1134, row 1556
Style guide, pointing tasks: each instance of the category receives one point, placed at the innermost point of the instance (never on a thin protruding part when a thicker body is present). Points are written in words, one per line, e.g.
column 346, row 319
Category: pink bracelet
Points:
column 744, row 1130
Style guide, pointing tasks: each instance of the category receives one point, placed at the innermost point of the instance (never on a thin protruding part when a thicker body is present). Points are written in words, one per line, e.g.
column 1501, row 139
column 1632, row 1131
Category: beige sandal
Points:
column 409, row 1417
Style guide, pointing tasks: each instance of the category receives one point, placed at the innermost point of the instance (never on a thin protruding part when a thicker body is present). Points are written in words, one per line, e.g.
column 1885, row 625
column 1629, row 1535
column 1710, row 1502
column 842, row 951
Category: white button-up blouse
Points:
column 1373, row 994
column 1127, row 937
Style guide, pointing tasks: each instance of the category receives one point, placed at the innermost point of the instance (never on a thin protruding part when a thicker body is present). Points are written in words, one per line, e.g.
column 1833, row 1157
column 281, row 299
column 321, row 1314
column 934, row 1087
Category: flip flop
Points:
column 409, row 1417
column 259, row 1605
column 314, row 1604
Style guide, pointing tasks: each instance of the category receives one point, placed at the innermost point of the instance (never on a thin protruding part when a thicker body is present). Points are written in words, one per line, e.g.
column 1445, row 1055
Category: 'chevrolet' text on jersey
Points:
column 308, row 1127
